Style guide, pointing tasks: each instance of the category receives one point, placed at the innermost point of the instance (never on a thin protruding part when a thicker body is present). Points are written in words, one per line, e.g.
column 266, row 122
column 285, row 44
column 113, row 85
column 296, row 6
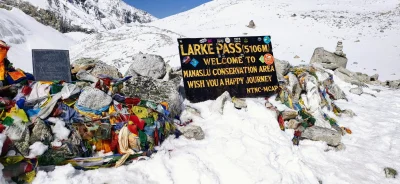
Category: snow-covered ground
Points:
column 116, row 47
column 318, row 23
column 24, row 33
column 247, row 146
column 369, row 30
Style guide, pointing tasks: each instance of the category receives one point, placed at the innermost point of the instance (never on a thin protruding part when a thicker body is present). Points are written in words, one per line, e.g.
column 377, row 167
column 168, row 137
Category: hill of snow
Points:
column 369, row 29
column 94, row 14
column 24, row 33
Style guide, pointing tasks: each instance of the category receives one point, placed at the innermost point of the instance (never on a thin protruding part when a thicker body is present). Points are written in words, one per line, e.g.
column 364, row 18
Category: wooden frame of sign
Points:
column 243, row 66
column 50, row 65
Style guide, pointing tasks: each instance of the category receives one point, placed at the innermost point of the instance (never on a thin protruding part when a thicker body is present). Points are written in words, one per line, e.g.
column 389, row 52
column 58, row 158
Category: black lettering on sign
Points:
column 243, row 66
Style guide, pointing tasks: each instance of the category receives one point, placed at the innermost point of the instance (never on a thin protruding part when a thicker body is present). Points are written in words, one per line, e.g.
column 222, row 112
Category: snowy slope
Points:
column 98, row 15
column 24, row 33
column 370, row 29
column 116, row 47
column 247, row 146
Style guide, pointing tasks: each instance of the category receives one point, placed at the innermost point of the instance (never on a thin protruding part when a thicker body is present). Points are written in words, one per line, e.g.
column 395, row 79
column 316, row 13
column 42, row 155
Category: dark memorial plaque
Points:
column 243, row 66
column 49, row 65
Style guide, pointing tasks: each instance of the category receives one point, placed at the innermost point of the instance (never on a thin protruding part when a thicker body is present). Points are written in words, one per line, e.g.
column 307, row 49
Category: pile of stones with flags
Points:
column 307, row 97
column 50, row 123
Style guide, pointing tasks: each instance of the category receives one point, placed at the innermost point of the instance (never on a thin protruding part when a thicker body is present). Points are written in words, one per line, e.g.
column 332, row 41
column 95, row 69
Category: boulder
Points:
column 362, row 77
column 94, row 67
column 156, row 90
column 147, row 65
column 192, row 131
column 316, row 133
column 328, row 59
column 282, row 67
column 374, row 77
column 350, row 77
column 94, row 99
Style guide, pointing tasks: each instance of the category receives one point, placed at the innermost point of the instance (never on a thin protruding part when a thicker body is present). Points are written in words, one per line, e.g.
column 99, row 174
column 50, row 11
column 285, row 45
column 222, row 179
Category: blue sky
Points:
column 165, row 8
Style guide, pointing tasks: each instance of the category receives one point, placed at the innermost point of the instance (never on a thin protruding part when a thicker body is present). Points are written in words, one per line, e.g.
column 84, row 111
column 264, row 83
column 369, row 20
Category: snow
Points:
column 37, row 149
column 77, row 36
column 117, row 47
column 24, row 33
column 247, row 146
column 59, row 130
column 316, row 24
column 43, row 4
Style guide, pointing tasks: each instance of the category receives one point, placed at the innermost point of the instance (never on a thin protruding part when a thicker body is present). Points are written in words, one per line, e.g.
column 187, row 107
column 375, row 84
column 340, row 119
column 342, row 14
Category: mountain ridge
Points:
column 82, row 15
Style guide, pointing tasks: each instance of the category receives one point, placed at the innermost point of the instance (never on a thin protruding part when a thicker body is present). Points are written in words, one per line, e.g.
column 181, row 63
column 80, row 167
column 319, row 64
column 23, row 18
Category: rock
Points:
column 94, row 99
column 377, row 90
column 296, row 57
column 292, row 124
column 350, row 77
column 293, row 15
column 147, row 65
column 357, row 91
column 374, row 77
column 251, row 24
column 390, row 172
column 355, row 63
column 327, row 59
column 239, row 103
column 329, row 136
column 393, row 84
column 95, row 67
column 84, row 75
column 156, row 90
column 218, row 104
column 289, row 114
column 362, row 77
column 282, row 67
column 337, row 93
column 357, row 41
column 192, row 131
